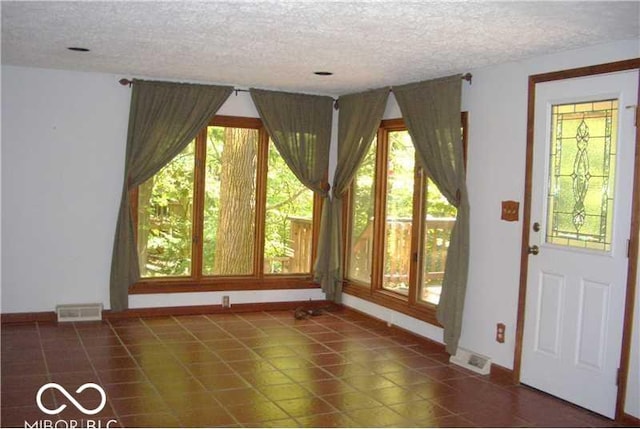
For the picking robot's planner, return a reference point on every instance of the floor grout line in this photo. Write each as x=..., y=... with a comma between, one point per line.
x=189, y=371
x=148, y=380
x=366, y=367
x=262, y=358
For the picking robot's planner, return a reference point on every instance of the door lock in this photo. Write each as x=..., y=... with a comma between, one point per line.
x=533, y=250
x=536, y=226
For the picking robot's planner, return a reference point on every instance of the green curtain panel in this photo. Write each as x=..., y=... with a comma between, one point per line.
x=431, y=111
x=164, y=117
x=359, y=119
x=300, y=127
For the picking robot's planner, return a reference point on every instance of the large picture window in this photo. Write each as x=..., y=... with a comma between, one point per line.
x=226, y=213
x=398, y=227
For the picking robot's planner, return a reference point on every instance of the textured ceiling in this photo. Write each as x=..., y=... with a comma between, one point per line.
x=279, y=44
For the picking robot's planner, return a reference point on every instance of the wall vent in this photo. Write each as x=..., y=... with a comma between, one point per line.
x=79, y=312
x=471, y=361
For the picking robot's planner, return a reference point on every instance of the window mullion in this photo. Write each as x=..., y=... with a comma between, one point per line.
x=380, y=201
x=418, y=216
x=261, y=203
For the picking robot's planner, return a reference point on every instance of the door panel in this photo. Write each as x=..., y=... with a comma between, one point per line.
x=592, y=324
x=549, y=315
x=584, y=141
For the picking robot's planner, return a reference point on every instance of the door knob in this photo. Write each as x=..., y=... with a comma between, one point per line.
x=533, y=250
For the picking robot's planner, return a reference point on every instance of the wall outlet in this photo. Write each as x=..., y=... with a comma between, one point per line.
x=225, y=302
x=500, y=328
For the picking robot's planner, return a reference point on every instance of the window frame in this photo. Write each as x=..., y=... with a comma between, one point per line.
x=258, y=280
x=374, y=291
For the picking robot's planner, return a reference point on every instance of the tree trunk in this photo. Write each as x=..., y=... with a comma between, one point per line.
x=235, y=235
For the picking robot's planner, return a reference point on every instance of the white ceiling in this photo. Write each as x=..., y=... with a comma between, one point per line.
x=279, y=44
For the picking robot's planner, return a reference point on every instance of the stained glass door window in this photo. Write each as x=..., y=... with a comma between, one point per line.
x=582, y=174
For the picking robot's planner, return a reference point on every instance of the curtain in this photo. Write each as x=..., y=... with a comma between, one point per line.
x=164, y=117
x=359, y=119
x=300, y=127
x=431, y=111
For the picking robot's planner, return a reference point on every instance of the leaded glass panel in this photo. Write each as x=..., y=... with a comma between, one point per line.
x=582, y=174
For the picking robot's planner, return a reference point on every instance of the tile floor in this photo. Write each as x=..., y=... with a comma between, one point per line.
x=340, y=369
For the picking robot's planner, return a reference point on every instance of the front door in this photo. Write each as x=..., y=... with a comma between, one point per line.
x=584, y=138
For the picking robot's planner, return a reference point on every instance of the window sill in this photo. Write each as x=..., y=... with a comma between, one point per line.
x=176, y=285
x=423, y=312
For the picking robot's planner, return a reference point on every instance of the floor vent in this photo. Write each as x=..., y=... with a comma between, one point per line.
x=471, y=361
x=79, y=312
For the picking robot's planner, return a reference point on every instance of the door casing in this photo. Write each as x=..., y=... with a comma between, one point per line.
x=625, y=355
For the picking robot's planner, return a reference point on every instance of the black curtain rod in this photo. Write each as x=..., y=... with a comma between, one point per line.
x=129, y=82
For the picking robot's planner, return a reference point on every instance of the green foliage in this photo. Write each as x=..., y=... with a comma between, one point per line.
x=213, y=170
x=364, y=192
x=399, y=189
x=399, y=207
x=400, y=175
x=165, y=218
x=166, y=206
x=287, y=199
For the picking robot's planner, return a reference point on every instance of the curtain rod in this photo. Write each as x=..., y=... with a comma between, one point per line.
x=129, y=82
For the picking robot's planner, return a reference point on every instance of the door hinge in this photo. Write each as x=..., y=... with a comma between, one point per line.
x=618, y=375
x=195, y=239
x=628, y=248
x=415, y=256
x=637, y=114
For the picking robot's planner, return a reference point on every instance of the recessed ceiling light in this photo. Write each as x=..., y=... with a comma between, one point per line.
x=77, y=49
x=323, y=73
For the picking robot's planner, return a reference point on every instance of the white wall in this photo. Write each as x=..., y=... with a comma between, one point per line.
x=63, y=144
x=497, y=105
x=63, y=139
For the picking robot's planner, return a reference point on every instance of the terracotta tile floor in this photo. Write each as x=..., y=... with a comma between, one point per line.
x=264, y=369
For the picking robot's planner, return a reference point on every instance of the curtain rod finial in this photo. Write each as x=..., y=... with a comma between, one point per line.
x=467, y=77
x=125, y=82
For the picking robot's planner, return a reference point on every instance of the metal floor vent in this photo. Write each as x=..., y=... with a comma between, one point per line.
x=79, y=312
x=471, y=361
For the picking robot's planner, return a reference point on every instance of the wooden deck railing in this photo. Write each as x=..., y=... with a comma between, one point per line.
x=298, y=250
x=398, y=251
x=397, y=259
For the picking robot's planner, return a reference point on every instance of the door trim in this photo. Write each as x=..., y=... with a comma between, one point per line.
x=617, y=66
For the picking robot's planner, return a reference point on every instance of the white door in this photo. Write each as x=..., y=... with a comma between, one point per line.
x=584, y=138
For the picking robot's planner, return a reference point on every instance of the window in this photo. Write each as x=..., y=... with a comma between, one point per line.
x=288, y=221
x=582, y=174
x=398, y=227
x=226, y=213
